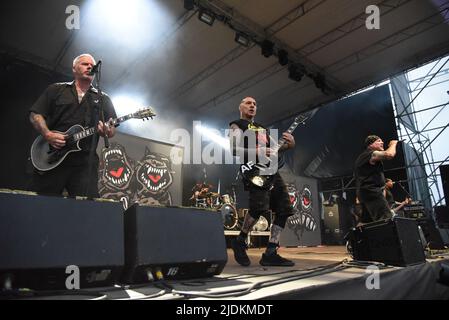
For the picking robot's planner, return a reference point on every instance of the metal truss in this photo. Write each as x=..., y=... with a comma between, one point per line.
x=418, y=137
x=241, y=23
x=343, y=30
x=348, y=27
x=388, y=42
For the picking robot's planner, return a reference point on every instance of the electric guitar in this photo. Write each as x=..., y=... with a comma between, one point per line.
x=262, y=175
x=45, y=157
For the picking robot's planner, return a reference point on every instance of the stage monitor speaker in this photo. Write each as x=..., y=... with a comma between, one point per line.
x=393, y=241
x=172, y=243
x=444, y=171
x=442, y=216
x=46, y=240
x=332, y=233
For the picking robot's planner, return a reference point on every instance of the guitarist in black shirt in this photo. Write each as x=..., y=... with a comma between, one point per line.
x=260, y=200
x=61, y=106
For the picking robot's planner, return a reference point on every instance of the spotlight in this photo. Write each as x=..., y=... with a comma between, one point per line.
x=189, y=5
x=295, y=71
x=242, y=39
x=206, y=17
x=283, y=57
x=267, y=48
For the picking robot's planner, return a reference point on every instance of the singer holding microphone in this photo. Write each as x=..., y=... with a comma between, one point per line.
x=61, y=106
x=370, y=178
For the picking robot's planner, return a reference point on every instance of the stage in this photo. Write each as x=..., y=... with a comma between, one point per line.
x=323, y=273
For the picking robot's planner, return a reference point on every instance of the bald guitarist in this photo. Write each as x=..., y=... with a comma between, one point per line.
x=61, y=106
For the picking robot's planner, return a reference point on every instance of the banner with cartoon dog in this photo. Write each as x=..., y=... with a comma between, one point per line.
x=138, y=170
x=303, y=227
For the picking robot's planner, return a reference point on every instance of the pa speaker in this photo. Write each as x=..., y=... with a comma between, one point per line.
x=394, y=242
x=46, y=240
x=172, y=243
x=444, y=171
x=442, y=216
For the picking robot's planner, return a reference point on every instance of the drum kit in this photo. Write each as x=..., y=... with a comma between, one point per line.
x=225, y=204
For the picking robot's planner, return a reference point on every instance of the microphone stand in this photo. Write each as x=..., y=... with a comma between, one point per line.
x=98, y=106
x=404, y=190
x=101, y=110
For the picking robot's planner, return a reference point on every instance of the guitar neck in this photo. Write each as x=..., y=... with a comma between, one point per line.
x=292, y=128
x=92, y=130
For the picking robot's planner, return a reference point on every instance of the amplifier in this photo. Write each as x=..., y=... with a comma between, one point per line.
x=393, y=241
x=414, y=211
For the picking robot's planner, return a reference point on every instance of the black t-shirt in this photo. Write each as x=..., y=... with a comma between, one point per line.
x=369, y=178
x=261, y=134
x=59, y=105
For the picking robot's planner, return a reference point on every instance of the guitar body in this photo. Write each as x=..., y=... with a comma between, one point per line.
x=257, y=175
x=44, y=157
x=262, y=175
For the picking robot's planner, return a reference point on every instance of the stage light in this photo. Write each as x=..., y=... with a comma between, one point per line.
x=295, y=71
x=213, y=135
x=206, y=17
x=283, y=57
x=267, y=48
x=189, y=5
x=124, y=105
x=133, y=24
x=242, y=39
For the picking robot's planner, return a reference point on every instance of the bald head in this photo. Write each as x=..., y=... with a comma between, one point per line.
x=248, y=108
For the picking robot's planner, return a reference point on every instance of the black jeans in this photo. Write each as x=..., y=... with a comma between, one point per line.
x=78, y=180
x=276, y=199
x=375, y=206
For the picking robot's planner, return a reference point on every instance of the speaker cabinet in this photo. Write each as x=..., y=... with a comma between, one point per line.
x=41, y=236
x=172, y=243
x=394, y=242
x=332, y=232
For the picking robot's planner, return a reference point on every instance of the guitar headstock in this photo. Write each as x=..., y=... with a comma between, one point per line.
x=303, y=117
x=146, y=113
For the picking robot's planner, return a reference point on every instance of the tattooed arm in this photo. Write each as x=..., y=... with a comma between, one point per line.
x=55, y=139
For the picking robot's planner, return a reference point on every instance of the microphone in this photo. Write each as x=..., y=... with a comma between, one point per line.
x=95, y=68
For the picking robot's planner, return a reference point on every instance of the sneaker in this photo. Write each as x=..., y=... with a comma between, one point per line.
x=239, y=247
x=275, y=260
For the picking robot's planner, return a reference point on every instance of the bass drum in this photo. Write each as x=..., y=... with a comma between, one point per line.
x=229, y=216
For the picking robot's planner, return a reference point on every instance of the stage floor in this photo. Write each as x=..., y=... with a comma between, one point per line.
x=325, y=272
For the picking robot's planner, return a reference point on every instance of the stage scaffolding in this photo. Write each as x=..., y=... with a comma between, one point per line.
x=420, y=98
